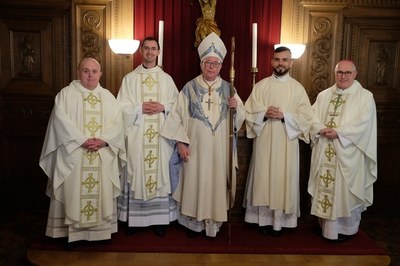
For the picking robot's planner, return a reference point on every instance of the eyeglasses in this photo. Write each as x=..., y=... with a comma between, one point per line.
x=345, y=73
x=213, y=64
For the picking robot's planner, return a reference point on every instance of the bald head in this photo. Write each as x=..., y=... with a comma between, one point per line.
x=89, y=73
x=345, y=73
x=86, y=59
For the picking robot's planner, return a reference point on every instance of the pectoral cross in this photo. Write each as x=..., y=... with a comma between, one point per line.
x=210, y=89
x=209, y=102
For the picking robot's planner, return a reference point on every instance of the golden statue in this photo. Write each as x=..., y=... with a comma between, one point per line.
x=206, y=24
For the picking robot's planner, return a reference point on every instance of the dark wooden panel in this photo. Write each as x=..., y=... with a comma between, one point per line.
x=34, y=66
x=22, y=182
x=373, y=38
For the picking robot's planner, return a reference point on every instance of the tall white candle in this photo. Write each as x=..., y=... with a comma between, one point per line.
x=254, y=47
x=161, y=41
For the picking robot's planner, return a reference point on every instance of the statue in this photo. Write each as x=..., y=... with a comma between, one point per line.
x=27, y=52
x=206, y=24
x=381, y=63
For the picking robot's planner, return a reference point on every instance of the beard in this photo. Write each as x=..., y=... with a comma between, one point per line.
x=279, y=71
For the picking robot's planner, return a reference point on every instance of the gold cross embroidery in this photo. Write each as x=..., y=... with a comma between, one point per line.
x=91, y=156
x=325, y=204
x=150, y=158
x=329, y=152
x=93, y=126
x=149, y=81
x=88, y=210
x=92, y=99
x=90, y=183
x=337, y=102
x=327, y=178
x=331, y=123
x=151, y=133
x=150, y=184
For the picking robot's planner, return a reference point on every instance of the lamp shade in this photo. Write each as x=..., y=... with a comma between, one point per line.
x=123, y=46
x=296, y=49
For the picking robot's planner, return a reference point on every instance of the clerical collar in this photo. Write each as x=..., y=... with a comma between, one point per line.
x=148, y=67
x=281, y=78
x=348, y=90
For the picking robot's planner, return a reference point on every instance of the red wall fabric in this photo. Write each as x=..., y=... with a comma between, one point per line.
x=234, y=18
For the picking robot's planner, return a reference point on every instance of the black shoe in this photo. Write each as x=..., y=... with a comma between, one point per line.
x=69, y=246
x=342, y=238
x=276, y=233
x=161, y=230
x=191, y=233
x=318, y=231
x=130, y=231
x=105, y=242
x=265, y=230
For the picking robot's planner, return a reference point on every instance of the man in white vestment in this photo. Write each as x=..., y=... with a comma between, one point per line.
x=146, y=96
x=82, y=155
x=278, y=116
x=344, y=156
x=199, y=123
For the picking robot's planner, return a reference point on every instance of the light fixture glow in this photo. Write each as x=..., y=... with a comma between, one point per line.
x=123, y=46
x=296, y=49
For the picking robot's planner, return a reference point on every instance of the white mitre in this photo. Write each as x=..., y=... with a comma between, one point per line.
x=212, y=45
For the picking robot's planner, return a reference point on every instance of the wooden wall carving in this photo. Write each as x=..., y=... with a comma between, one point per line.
x=375, y=46
x=94, y=23
x=321, y=41
x=27, y=54
x=91, y=34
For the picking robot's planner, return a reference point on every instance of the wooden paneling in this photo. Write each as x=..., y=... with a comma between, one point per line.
x=35, y=65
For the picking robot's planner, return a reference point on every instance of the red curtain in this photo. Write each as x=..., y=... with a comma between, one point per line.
x=234, y=18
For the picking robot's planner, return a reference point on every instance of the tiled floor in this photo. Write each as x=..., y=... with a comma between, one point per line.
x=19, y=227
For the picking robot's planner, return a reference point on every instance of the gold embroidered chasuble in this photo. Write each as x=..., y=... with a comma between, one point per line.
x=324, y=199
x=91, y=161
x=343, y=170
x=83, y=186
x=147, y=169
x=151, y=130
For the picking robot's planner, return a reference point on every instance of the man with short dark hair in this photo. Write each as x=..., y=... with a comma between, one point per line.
x=146, y=96
x=278, y=116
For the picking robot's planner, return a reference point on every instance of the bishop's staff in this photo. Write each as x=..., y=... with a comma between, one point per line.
x=231, y=140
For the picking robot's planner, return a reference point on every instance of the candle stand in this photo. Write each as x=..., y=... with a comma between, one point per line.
x=254, y=70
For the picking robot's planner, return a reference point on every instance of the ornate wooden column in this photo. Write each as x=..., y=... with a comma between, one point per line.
x=94, y=22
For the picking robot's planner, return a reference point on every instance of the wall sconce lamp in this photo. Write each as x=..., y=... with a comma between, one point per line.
x=123, y=46
x=296, y=49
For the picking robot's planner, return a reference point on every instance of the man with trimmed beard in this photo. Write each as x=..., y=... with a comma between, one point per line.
x=278, y=115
